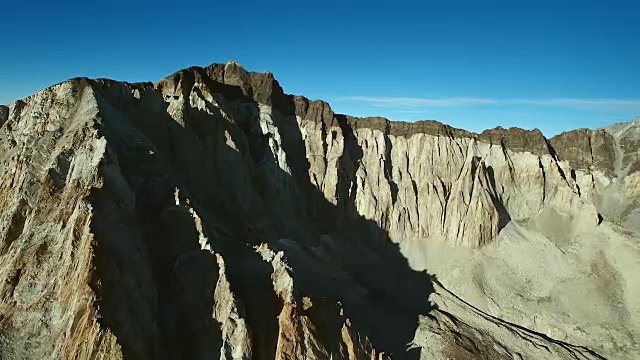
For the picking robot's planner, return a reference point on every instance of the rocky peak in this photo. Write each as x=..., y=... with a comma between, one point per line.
x=234, y=82
x=211, y=215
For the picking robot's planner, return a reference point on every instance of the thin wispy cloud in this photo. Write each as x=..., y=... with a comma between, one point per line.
x=419, y=103
x=588, y=104
x=416, y=102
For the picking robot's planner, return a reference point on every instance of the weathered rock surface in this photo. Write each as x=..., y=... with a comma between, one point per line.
x=213, y=216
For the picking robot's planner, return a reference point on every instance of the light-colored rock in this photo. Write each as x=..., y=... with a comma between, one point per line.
x=212, y=216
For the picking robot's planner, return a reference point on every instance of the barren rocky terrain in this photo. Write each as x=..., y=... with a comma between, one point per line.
x=213, y=216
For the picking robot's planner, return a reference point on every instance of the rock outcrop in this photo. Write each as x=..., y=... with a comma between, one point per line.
x=213, y=216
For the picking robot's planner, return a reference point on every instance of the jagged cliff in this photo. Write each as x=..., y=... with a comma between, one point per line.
x=213, y=216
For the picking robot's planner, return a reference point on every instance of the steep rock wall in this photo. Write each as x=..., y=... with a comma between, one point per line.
x=213, y=216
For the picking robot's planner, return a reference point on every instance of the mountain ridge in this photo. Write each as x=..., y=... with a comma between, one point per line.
x=204, y=218
x=267, y=75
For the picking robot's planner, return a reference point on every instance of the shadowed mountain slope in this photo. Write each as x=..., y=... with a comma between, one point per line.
x=213, y=216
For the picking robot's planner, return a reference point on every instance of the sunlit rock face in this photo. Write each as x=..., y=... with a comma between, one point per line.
x=213, y=216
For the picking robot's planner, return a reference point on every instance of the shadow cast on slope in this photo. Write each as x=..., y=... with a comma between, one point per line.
x=240, y=207
x=396, y=294
x=503, y=215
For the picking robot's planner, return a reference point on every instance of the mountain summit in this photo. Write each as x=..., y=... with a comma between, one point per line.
x=213, y=216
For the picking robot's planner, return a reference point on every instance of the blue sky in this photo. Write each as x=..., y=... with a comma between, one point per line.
x=554, y=65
